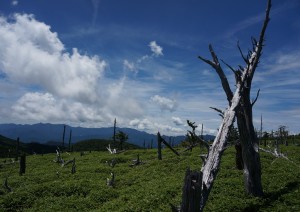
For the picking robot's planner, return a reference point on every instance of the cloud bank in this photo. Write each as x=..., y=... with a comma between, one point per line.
x=58, y=86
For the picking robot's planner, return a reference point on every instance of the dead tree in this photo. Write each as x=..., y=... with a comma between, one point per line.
x=17, y=149
x=191, y=191
x=168, y=145
x=123, y=137
x=211, y=162
x=136, y=161
x=158, y=147
x=70, y=139
x=248, y=137
x=162, y=140
x=5, y=185
x=193, y=139
x=111, y=182
x=73, y=170
x=115, y=125
x=63, y=137
x=58, y=157
x=191, y=135
x=22, y=164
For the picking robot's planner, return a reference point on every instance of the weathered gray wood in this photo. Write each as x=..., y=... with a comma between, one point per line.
x=166, y=143
x=212, y=163
x=111, y=182
x=191, y=191
x=252, y=169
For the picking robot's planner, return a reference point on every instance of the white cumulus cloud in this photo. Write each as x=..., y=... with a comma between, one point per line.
x=45, y=107
x=164, y=103
x=33, y=55
x=156, y=49
x=135, y=66
x=129, y=66
x=154, y=127
x=177, y=121
x=55, y=85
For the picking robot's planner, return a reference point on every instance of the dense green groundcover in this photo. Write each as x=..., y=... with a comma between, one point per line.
x=153, y=186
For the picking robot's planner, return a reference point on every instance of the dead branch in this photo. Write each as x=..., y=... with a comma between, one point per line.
x=190, y=147
x=257, y=94
x=5, y=185
x=161, y=139
x=229, y=66
x=216, y=65
x=66, y=163
x=257, y=48
x=241, y=52
x=221, y=112
x=111, y=181
x=112, y=151
x=136, y=162
x=277, y=154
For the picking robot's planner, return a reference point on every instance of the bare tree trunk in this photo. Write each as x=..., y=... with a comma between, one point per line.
x=22, y=164
x=17, y=149
x=115, y=125
x=158, y=147
x=191, y=191
x=248, y=138
x=211, y=165
x=70, y=139
x=63, y=137
x=250, y=154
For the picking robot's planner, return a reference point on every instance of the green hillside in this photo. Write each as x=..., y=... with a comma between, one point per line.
x=8, y=148
x=100, y=145
x=152, y=186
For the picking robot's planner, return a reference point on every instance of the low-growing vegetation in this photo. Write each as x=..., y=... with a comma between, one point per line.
x=151, y=186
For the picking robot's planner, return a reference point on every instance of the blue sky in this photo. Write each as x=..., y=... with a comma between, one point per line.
x=86, y=62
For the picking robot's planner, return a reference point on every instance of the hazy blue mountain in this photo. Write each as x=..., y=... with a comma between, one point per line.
x=53, y=133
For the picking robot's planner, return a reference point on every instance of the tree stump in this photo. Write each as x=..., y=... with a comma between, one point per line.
x=191, y=191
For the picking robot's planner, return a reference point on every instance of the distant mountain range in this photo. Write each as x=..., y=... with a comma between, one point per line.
x=53, y=134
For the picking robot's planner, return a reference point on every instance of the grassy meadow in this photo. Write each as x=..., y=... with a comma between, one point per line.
x=152, y=186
